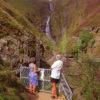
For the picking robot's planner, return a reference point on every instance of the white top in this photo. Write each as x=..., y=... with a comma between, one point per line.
x=56, y=69
x=42, y=74
x=31, y=66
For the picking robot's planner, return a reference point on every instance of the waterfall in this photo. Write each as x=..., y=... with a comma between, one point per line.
x=50, y=5
x=48, y=28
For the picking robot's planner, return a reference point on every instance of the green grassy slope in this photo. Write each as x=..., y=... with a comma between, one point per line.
x=35, y=11
x=22, y=5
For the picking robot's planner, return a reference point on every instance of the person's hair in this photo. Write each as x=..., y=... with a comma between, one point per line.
x=58, y=57
x=32, y=60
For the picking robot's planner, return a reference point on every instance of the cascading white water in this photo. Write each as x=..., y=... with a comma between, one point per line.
x=50, y=5
x=48, y=28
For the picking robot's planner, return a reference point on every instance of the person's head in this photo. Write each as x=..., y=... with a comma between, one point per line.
x=58, y=57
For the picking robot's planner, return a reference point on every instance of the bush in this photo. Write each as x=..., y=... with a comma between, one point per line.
x=84, y=38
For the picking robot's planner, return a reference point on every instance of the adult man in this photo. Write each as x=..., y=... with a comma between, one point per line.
x=55, y=74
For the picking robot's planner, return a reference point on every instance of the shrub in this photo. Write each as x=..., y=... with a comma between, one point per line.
x=84, y=40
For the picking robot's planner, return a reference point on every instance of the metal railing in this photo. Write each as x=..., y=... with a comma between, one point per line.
x=65, y=88
x=44, y=81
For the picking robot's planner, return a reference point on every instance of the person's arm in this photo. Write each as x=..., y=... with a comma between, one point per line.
x=35, y=69
x=61, y=70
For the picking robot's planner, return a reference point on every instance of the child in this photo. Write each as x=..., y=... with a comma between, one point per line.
x=33, y=78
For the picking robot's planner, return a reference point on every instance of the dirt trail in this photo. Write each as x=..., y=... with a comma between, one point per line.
x=42, y=96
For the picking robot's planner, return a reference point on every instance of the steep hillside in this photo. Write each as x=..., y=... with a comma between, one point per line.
x=69, y=15
x=18, y=36
x=78, y=23
x=18, y=40
x=13, y=37
x=34, y=10
x=15, y=30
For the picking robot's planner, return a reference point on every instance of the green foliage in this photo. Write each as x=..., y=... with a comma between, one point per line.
x=69, y=46
x=22, y=5
x=85, y=38
x=89, y=83
x=4, y=65
x=10, y=88
x=21, y=51
x=63, y=44
x=85, y=41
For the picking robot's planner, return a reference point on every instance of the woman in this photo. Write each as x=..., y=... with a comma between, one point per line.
x=33, y=77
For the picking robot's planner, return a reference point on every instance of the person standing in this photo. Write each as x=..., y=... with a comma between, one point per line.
x=33, y=76
x=55, y=74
